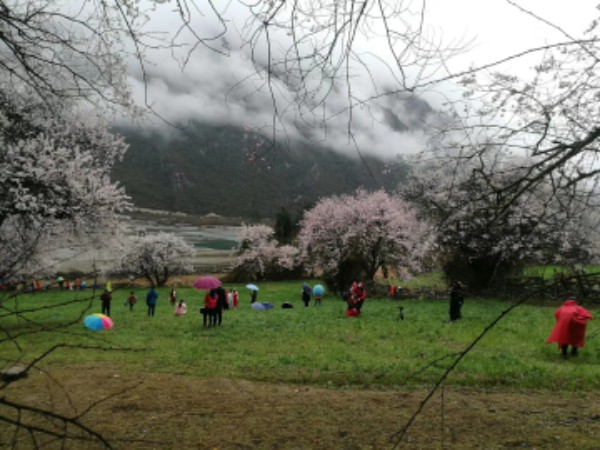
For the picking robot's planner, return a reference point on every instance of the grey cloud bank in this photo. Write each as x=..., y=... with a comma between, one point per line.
x=221, y=84
x=229, y=87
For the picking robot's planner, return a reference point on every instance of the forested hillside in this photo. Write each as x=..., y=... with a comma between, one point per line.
x=207, y=169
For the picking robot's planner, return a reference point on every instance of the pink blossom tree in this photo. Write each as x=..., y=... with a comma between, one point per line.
x=355, y=236
x=157, y=257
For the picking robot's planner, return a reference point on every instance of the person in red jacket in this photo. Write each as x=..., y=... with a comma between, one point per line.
x=210, y=308
x=571, y=321
x=360, y=294
x=236, y=298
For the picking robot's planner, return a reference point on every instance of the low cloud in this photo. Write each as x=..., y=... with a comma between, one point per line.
x=221, y=85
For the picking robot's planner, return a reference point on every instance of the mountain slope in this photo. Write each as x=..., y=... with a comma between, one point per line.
x=205, y=169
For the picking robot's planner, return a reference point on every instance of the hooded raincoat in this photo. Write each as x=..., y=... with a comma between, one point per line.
x=571, y=321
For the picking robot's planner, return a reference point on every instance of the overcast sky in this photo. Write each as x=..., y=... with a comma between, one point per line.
x=224, y=89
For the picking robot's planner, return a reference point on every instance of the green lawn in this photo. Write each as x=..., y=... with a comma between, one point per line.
x=312, y=345
x=548, y=272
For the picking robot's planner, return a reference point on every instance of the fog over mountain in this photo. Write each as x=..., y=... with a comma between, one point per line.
x=226, y=85
x=207, y=169
x=233, y=135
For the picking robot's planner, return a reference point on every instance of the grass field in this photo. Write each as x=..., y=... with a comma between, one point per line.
x=301, y=378
x=548, y=272
x=314, y=345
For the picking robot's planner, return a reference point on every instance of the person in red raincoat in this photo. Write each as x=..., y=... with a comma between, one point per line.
x=571, y=321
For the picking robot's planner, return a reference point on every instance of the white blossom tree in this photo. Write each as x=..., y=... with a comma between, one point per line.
x=546, y=117
x=354, y=236
x=54, y=174
x=261, y=256
x=485, y=235
x=156, y=257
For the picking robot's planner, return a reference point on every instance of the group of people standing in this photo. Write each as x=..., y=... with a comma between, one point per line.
x=151, y=300
x=307, y=292
x=215, y=301
x=569, y=330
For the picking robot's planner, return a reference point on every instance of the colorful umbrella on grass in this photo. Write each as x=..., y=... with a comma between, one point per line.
x=261, y=306
x=258, y=306
x=206, y=283
x=98, y=322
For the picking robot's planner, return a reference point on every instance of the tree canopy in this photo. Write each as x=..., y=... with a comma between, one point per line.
x=484, y=235
x=353, y=236
x=156, y=257
x=55, y=176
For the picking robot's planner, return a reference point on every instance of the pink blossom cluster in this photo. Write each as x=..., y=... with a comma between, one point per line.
x=378, y=229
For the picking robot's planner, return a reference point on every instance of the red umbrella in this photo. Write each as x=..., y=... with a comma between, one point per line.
x=206, y=283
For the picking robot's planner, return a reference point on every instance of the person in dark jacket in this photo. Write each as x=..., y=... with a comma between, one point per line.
x=457, y=298
x=221, y=304
x=151, y=299
x=306, y=291
x=106, y=298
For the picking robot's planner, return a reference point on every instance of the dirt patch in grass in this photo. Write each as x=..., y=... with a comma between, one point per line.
x=162, y=411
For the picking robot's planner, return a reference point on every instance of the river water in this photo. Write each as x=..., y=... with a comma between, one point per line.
x=215, y=247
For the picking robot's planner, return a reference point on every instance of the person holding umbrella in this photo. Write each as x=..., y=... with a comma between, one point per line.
x=254, y=289
x=209, y=311
x=318, y=291
x=306, y=291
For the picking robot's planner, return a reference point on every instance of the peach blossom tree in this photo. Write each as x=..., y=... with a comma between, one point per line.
x=355, y=236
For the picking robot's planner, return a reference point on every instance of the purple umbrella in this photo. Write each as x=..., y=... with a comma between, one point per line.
x=206, y=283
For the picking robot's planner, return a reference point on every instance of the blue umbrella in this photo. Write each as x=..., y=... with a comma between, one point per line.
x=318, y=290
x=252, y=287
